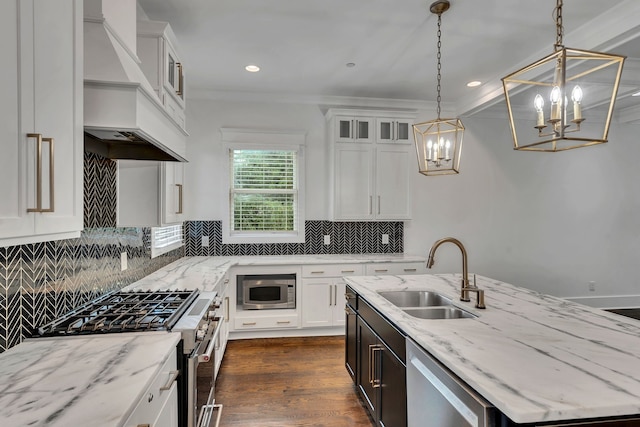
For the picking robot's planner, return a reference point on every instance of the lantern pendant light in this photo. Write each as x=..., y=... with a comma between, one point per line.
x=565, y=100
x=439, y=142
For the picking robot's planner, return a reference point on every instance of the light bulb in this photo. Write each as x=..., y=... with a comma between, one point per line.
x=576, y=94
x=538, y=102
x=429, y=146
x=555, y=95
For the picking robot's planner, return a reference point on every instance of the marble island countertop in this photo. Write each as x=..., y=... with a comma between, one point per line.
x=534, y=356
x=86, y=380
x=204, y=273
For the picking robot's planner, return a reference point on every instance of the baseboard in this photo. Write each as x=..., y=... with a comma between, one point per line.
x=280, y=333
x=611, y=301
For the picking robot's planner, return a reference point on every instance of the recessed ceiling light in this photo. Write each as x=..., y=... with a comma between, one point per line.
x=636, y=94
x=474, y=83
x=252, y=68
x=351, y=64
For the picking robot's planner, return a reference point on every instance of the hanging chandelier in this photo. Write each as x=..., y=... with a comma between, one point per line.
x=439, y=142
x=564, y=100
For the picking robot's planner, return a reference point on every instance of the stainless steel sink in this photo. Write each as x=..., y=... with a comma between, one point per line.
x=415, y=298
x=439, y=313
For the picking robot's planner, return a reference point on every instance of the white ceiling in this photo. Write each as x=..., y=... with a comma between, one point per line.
x=303, y=47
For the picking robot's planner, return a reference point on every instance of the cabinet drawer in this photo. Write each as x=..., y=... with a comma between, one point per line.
x=332, y=270
x=396, y=268
x=153, y=400
x=270, y=322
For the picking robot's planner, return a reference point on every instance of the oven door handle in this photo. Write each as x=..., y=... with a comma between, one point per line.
x=206, y=356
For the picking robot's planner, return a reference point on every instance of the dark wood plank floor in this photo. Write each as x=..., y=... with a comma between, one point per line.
x=288, y=382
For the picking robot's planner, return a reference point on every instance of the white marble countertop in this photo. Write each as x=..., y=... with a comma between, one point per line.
x=204, y=273
x=534, y=356
x=80, y=381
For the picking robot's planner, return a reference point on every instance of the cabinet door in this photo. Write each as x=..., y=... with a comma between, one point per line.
x=173, y=180
x=351, y=342
x=393, y=131
x=168, y=415
x=392, y=183
x=14, y=220
x=367, y=342
x=392, y=409
x=339, y=289
x=317, y=297
x=353, y=183
x=57, y=106
x=354, y=129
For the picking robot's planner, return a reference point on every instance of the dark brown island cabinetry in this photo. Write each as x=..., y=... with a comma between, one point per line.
x=375, y=359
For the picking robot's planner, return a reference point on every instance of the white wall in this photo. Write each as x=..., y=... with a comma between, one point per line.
x=548, y=221
x=205, y=192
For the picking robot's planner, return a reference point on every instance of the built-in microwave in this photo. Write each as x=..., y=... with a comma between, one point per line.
x=267, y=291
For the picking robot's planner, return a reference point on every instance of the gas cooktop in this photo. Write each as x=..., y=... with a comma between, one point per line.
x=120, y=311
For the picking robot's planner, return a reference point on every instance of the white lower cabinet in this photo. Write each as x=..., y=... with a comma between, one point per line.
x=158, y=406
x=395, y=268
x=323, y=294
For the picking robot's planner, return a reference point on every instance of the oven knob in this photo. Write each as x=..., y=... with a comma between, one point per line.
x=200, y=334
x=211, y=315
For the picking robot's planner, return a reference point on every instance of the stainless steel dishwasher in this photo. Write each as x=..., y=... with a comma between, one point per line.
x=436, y=397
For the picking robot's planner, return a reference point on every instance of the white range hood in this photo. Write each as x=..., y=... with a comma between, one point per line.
x=123, y=117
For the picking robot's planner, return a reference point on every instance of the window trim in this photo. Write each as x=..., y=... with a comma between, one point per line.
x=250, y=139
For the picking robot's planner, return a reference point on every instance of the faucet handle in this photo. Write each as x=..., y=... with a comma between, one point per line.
x=480, y=294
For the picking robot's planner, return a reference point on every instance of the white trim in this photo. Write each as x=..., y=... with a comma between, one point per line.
x=269, y=139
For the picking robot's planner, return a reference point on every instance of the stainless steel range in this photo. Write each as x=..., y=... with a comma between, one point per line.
x=191, y=313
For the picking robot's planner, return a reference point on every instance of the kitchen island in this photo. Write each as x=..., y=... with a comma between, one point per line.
x=535, y=357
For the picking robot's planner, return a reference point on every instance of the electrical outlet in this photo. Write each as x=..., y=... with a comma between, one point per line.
x=205, y=241
x=123, y=261
x=592, y=286
x=385, y=239
x=327, y=239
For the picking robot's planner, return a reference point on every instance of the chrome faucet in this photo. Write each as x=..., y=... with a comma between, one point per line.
x=466, y=286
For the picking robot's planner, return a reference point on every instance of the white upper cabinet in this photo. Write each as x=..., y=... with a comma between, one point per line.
x=42, y=127
x=161, y=64
x=354, y=129
x=390, y=130
x=370, y=181
x=150, y=193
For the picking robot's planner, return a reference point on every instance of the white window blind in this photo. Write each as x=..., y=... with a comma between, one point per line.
x=264, y=191
x=165, y=239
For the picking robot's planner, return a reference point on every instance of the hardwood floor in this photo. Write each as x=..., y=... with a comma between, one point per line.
x=288, y=382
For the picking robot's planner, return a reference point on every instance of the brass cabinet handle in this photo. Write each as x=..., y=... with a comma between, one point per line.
x=174, y=376
x=226, y=311
x=384, y=270
x=179, y=211
x=335, y=294
x=38, y=207
x=248, y=323
x=317, y=272
x=180, y=89
x=377, y=382
x=348, y=271
x=283, y=322
x=410, y=270
x=370, y=205
x=371, y=346
x=378, y=205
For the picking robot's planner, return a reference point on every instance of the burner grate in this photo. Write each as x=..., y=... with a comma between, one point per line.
x=123, y=312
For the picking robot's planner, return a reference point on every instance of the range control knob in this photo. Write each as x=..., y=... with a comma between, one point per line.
x=200, y=334
x=211, y=315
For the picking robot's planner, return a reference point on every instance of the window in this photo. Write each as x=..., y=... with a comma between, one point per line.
x=264, y=191
x=166, y=239
x=266, y=186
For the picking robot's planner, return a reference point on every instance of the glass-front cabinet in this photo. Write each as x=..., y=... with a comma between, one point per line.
x=393, y=130
x=354, y=129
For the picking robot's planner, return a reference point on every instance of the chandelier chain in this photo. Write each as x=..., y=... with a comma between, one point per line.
x=439, y=62
x=559, y=26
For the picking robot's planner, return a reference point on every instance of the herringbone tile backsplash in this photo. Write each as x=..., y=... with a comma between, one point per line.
x=346, y=238
x=40, y=282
